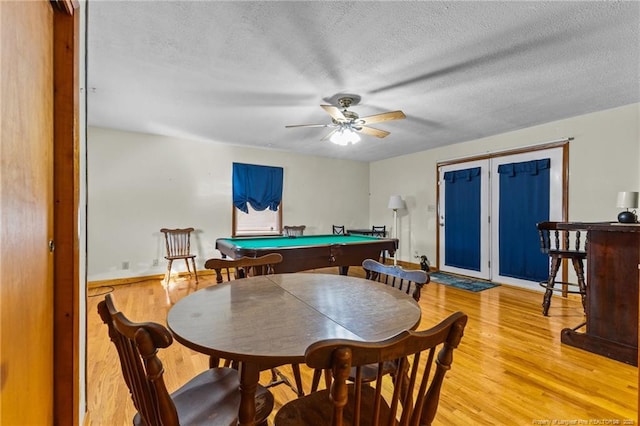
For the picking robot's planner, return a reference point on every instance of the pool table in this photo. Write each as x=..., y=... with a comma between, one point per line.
x=310, y=251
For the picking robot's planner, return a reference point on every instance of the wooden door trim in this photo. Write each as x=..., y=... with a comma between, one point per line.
x=66, y=183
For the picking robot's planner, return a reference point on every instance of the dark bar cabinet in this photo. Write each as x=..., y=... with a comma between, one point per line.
x=613, y=259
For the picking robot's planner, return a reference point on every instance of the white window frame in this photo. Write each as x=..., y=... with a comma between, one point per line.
x=256, y=223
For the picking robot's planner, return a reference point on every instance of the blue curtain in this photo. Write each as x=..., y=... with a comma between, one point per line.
x=524, y=201
x=462, y=218
x=258, y=186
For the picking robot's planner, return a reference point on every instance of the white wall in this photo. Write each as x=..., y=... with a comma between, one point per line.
x=139, y=183
x=604, y=158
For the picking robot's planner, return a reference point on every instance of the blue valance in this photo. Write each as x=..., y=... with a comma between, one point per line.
x=529, y=167
x=466, y=174
x=258, y=186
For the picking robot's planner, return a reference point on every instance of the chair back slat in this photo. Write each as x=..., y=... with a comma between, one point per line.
x=397, y=277
x=416, y=391
x=141, y=393
x=561, y=241
x=244, y=266
x=294, y=231
x=137, y=345
x=177, y=242
x=338, y=230
x=421, y=394
x=379, y=231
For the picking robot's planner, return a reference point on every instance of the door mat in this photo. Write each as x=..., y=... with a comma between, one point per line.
x=469, y=284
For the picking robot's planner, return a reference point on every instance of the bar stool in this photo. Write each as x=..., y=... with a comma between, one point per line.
x=557, y=244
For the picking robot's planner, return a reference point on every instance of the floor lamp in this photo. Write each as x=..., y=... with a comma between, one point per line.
x=396, y=202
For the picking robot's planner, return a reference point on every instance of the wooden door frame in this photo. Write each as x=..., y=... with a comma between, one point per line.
x=66, y=189
x=564, y=144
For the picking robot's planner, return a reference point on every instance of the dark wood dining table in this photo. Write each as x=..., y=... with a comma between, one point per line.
x=270, y=320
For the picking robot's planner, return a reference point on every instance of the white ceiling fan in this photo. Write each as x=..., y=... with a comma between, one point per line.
x=347, y=124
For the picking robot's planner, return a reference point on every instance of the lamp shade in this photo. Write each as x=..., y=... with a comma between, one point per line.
x=396, y=202
x=627, y=200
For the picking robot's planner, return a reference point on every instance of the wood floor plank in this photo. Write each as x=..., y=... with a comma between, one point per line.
x=510, y=368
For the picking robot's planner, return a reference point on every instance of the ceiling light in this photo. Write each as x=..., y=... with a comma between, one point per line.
x=344, y=137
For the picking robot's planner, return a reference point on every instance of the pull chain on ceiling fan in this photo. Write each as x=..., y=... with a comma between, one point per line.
x=347, y=124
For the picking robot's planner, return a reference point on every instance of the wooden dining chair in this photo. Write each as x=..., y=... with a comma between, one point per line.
x=379, y=231
x=338, y=230
x=212, y=394
x=241, y=268
x=396, y=277
x=411, y=401
x=178, y=247
x=294, y=231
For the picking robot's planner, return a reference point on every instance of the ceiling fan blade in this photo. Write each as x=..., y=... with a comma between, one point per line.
x=385, y=116
x=334, y=112
x=307, y=125
x=373, y=132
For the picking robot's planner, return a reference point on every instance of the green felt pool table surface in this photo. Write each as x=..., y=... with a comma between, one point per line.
x=309, y=251
x=305, y=240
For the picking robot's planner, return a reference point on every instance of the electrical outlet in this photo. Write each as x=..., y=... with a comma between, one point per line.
x=125, y=264
x=155, y=262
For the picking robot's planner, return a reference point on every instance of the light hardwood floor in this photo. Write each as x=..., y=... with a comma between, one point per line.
x=510, y=368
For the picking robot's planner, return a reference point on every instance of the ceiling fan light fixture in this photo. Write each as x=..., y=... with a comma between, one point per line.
x=348, y=124
x=344, y=137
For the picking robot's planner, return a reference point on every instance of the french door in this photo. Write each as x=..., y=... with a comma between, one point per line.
x=464, y=208
x=488, y=209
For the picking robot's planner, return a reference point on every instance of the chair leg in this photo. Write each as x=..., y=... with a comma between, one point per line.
x=298, y=378
x=214, y=362
x=225, y=363
x=186, y=261
x=167, y=277
x=553, y=271
x=316, y=379
x=195, y=271
x=579, y=267
x=277, y=378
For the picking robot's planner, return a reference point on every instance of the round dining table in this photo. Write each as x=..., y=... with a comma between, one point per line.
x=270, y=320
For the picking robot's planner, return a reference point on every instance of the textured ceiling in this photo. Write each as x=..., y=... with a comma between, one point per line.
x=238, y=72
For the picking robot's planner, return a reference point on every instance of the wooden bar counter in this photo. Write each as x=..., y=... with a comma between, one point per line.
x=613, y=256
